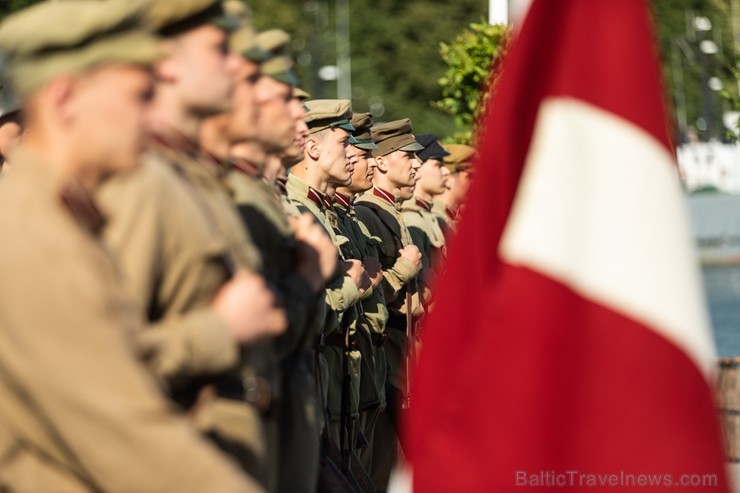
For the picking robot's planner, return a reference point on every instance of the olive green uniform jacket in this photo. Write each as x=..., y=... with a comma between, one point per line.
x=383, y=220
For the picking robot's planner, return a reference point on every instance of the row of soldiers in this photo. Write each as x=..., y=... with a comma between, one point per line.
x=210, y=282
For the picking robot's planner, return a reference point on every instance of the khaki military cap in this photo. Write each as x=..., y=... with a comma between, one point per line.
x=244, y=39
x=362, y=123
x=278, y=64
x=57, y=38
x=461, y=157
x=172, y=17
x=299, y=93
x=329, y=113
x=394, y=136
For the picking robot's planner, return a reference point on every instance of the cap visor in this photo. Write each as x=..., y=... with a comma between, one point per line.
x=367, y=147
x=257, y=55
x=352, y=140
x=346, y=126
x=414, y=146
x=225, y=22
x=289, y=77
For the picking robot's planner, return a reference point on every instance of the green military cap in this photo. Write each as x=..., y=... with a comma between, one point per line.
x=172, y=17
x=394, y=136
x=50, y=39
x=329, y=113
x=244, y=39
x=278, y=65
x=362, y=123
x=9, y=102
x=460, y=158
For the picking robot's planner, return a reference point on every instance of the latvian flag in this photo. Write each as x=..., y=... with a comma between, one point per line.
x=569, y=349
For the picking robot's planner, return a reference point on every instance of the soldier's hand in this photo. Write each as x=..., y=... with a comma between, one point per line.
x=249, y=308
x=413, y=255
x=374, y=270
x=354, y=269
x=317, y=255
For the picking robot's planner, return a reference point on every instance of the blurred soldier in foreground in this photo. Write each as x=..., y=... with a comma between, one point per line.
x=297, y=258
x=10, y=117
x=447, y=205
x=379, y=211
x=191, y=264
x=423, y=225
x=79, y=413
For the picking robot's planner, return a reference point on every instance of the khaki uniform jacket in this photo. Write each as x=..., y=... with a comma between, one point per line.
x=179, y=238
x=427, y=235
x=341, y=298
x=78, y=412
x=446, y=220
x=383, y=220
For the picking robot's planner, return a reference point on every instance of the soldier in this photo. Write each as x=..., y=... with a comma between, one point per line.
x=325, y=162
x=297, y=259
x=10, y=119
x=447, y=205
x=183, y=248
x=379, y=211
x=79, y=412
x=371, y=333
x=423, y=225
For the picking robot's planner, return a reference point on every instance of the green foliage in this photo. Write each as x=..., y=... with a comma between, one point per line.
x=394, y=50
x=686, y=68
x=469, y=59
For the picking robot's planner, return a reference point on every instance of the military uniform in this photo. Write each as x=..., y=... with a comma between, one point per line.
x=79, y=413
x=380, y=212
x=179, y=239
x=424, y=226
x=460, y=158
x=292, y=424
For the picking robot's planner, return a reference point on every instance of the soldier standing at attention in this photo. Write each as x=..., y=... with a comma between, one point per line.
x=447, y=205
x=183, y=248
x=371, y=335
x=79, y=412
x=423, y=225
x=325, y=162
x=10, y=115
x=379, y=210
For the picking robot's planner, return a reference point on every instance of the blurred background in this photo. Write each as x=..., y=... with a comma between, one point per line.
x=428, y=60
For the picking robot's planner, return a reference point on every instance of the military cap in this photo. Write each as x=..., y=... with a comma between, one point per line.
x=50, y=39
x=244, y=39
x=362, y=123
x=278, y=64
x=299, y=93
x=432, y=148
x=460, y=158
x=329, y=113
x=9, y=102
x=394, y=136
x=173, y=17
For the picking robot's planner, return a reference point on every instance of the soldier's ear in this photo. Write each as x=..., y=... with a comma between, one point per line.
x=382, y=164
x=312, y=148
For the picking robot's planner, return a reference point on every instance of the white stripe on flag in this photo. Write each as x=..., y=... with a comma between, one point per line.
x=599, y=209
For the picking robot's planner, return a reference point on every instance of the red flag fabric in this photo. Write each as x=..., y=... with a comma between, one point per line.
x=569, y=347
